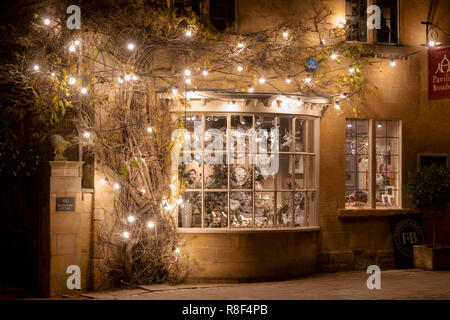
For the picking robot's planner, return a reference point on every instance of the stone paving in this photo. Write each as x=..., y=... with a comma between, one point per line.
x=395, y=284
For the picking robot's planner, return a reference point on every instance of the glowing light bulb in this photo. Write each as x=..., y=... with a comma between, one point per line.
x=177, y=250
x=116, y=186
x=285, y=34
x=205, y=73
x=131, y=219
x=143, y=191
x=333, y=56
x=174, y=91
x=341, y=22
x=53, y=74
x=126, y=235
x=188, y=81
x=187, y=72
x=103, y=181
x=349, y=125
x=351, y=70
x=72, y=48
x=189, y=33
x=262, y=80
x=149, y=129
x=36, y=67
x=308, y=79
x=180, y=200
x=337, y=106
x=134, y=77
x=150, y=224
x=120, y=80
x=379, y=125
x=288, y=80
x=127, y=77
x=72, y=80
x=46, y=21
x=250, y=89
x=392, y=63
x=130, y=46
x=86, y=134
x=240, y=45
x=77, y=42
x=173, y=186
x=239, y=68
x=187, y=136
x=432, y=43
x=83, y=90
x=322, y=41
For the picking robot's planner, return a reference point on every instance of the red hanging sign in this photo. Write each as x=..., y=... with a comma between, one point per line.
x=439, y=73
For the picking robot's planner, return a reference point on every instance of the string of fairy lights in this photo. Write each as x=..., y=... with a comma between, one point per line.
x=175, y=198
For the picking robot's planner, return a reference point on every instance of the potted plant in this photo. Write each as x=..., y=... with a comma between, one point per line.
x=429, y=190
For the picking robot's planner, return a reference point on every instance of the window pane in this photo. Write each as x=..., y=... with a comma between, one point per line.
x=191, y=175
x=299, y=209
x=216, y=175
x=388, y=23
x=263, y=181
x=215, y=132
x=388, y=162
x=309, y=172
x=216, y=208
x=284, y=175
x=310, y=137
x=310, y=209
x=264, y=126
x=300, y=132
x=284, y=208
x=356, y=16
x=356, y=198
x=221, y=13
x=241, y=126
x=264, y=209
x=357, y=163
x=299, y=171
x=241, y=209
x=241, y=177
x=190, y=211
x=285, y=134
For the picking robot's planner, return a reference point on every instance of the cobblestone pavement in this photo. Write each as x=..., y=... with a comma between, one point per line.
x=395, y=284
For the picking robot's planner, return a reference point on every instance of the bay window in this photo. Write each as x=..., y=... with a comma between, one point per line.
x=235, y=191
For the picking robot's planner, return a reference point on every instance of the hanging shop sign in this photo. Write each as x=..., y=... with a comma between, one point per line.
x=439, y=73
x=407, y=231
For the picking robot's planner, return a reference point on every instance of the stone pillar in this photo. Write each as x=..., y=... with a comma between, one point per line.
x=65, y=226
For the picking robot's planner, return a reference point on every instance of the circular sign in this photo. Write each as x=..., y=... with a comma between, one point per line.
x=311, y=64
x=408, y=233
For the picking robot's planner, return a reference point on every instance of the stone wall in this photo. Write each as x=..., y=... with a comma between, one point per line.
x=250, y=256
x=65, y=236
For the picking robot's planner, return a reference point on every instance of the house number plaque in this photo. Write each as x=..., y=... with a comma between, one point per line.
x=65, y=204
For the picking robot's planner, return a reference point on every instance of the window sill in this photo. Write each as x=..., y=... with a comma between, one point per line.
x=370, y=213
x=246, y=230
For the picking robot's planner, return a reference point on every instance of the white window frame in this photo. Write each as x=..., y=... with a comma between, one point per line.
x=258, y=104
x=372, y=166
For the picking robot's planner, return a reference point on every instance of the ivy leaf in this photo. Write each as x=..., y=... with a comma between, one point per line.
x=134, y=164
x=123, y=172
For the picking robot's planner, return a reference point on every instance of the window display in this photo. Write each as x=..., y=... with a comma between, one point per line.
x=358, y=172
x=236, y=190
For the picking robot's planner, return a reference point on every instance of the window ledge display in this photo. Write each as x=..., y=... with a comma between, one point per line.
x=246, y=230
x=351, y=214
